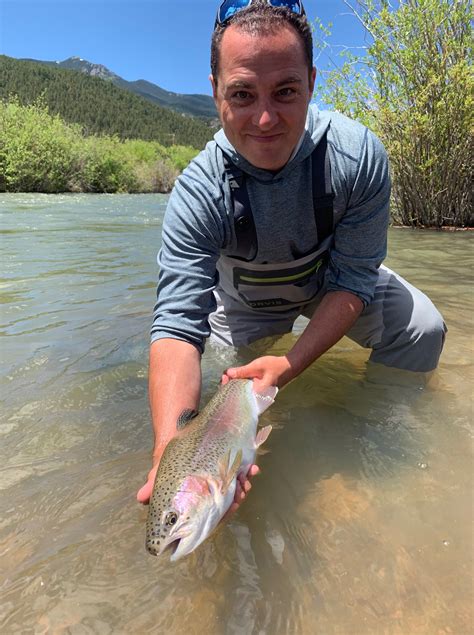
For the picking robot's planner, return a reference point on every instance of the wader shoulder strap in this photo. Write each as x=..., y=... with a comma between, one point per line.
x=323, y=196
x=323, y=202
x=244, y=225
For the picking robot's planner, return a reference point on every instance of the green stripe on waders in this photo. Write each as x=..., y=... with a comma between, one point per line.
x=291, y=278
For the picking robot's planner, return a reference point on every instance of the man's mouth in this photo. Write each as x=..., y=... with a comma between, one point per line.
x=265, y=138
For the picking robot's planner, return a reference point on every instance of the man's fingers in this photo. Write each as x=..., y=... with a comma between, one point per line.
x=242, y=488
x=144, y=493
x=232, y=509
x=253, y=471
x=242, y=372
x=239, y=494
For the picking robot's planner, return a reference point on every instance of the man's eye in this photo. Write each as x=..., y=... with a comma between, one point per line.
x=286, y=92
x=241, y=95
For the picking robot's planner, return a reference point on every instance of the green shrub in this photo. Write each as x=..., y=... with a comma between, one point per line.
x=414, y=88
x=180, y=156
x=40, y=152
x=155, y=177
x=104, y=166
x=36, y=149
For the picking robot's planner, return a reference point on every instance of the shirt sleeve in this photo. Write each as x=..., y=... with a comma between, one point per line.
x=360, y=238
x=192, y=237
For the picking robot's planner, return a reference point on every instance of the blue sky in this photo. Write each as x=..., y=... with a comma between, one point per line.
x=163, y=41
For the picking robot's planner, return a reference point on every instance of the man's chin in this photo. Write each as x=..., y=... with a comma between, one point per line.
x=272, y=163
x=271, y=155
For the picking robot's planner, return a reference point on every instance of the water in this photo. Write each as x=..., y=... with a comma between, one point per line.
x=360, y=523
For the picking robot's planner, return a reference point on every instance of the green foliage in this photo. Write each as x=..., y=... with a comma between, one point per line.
x=414, y=88
x=34, y=149
x=181, y=156
x=39, y=152
x=98, y=105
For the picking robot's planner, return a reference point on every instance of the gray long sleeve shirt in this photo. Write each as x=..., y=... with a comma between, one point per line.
x=198, y=224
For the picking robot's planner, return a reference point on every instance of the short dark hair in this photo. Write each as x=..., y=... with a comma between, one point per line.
x=260, y=18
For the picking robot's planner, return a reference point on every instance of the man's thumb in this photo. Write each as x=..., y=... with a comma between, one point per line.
x=144, y=493
x=241, y=372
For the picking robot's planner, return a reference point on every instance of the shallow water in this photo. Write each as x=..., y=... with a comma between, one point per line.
x=360, y=523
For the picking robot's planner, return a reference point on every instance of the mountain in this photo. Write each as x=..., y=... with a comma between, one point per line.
x=195, y=105
x=99, y=105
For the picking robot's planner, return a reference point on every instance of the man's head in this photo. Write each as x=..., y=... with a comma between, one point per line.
x=263, y=80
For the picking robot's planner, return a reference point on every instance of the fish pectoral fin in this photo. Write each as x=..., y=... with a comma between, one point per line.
x=205, y=485
x=185, y=417
x=227, y=473
x=262, y=435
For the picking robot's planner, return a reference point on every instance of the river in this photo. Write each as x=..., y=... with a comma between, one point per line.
x=359, y=524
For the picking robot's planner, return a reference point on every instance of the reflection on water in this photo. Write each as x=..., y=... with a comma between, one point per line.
x=359, y=524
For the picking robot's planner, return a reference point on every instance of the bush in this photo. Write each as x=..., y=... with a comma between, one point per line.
x=41, y=153
x=155, y=177
x=36, y=149
x=180, y=156
x=104, y=167
x=414, y=88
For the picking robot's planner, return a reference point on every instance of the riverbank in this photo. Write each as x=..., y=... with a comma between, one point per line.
x=443, y=229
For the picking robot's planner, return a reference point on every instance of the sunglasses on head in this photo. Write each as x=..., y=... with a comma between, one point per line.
x=228, y=8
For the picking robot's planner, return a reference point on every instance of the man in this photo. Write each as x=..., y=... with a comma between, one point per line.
x=284, y=214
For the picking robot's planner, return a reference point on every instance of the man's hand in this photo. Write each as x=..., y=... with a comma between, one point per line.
x=144, y=493
x=267, y=371
x=243, y=487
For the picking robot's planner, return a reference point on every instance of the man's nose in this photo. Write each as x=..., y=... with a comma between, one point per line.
x=265, y=115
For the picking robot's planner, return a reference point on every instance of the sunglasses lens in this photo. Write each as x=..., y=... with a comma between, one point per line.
x=228, y=8
x=295, y=7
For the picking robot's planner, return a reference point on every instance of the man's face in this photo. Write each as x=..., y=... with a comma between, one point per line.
x=262, y=94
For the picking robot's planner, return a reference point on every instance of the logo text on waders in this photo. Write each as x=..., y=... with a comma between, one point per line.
x=261, y=304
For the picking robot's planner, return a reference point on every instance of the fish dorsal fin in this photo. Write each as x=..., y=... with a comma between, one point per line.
x=228, y=472
x=185, y=417
x=265, y=398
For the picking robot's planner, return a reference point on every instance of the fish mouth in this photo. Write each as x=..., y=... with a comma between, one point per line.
x=170, y=548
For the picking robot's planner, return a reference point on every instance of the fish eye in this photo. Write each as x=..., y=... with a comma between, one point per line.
x=171, y=518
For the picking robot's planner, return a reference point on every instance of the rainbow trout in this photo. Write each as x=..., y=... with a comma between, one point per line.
x=197, y=474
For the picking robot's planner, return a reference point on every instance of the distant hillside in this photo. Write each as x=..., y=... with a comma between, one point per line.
x=195, y=105
x=99, y=105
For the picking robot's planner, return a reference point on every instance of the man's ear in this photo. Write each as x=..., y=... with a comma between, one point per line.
x=214, y=86
x=312, y=81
